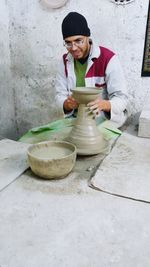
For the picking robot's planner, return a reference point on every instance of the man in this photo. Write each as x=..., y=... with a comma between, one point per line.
x=86, y=64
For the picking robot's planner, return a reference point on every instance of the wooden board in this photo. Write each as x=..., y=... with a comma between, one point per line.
x=146, y=55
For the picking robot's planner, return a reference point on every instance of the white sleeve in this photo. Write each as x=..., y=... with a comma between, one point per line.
x=61, y=85
x=116, y=89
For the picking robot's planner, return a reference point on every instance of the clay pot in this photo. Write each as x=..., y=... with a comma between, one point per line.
x=84, y=95
x=85, y=134
x=53, y=3
x=52, y=159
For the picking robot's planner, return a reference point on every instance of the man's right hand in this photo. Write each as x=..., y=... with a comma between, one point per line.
x=70, y=103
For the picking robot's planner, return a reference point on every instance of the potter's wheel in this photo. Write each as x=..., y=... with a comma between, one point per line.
x=85, y=134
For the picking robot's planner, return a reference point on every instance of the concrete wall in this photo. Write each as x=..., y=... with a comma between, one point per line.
x=31, y=43
x=7, y=109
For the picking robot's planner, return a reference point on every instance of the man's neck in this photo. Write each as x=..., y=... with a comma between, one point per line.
x=83, y=60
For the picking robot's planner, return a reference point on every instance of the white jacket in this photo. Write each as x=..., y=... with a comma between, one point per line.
x=103, y=70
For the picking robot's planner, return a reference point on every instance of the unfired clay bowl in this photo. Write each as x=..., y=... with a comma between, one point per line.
x=52, y=159
x=85, y=94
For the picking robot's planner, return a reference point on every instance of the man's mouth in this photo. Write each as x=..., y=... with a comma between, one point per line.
x=76, y=55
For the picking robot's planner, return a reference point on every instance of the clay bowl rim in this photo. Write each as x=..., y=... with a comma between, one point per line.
x=86, y=90
x=74, y=151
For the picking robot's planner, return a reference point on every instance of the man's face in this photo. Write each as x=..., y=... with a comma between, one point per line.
x=78, y=46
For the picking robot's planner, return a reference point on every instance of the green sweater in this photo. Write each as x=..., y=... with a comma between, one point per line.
x=80, y=70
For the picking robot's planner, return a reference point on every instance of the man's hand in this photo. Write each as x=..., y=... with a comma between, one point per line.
x=70, y=103
x=99, y=105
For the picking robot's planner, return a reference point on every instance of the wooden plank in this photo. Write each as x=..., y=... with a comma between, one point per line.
x=146, y=55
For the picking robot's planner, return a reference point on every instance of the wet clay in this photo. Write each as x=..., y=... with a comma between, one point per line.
x=85, y=134
x=51, y=153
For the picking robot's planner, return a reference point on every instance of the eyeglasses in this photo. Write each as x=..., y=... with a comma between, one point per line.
x=78, y=42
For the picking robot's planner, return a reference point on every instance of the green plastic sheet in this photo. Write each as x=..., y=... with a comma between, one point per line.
x=59, y=129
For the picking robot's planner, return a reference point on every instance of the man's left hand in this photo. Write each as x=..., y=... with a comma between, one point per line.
x=99, y=105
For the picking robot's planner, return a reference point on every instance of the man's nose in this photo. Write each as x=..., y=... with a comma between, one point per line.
x=74, y=47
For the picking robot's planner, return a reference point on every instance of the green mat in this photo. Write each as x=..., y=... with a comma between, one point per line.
x=59, y=129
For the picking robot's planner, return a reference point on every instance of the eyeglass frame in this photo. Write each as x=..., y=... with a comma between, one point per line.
x=79, y=42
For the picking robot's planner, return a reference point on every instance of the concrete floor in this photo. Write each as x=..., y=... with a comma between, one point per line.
x=68, y=224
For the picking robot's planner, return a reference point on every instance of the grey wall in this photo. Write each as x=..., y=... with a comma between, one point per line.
x=7, y=108
x=31, y=44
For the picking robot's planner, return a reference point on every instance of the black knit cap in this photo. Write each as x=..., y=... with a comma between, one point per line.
x=74, y=24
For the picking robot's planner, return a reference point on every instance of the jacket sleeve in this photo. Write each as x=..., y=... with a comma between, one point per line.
x=117, y=91
x=61, y=86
